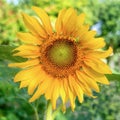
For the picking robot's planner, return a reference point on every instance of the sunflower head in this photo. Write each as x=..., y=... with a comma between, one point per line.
x=62, y=63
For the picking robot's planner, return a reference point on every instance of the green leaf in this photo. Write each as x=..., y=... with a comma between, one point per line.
x=7, y=73
x=113, y=77
x=6, y=54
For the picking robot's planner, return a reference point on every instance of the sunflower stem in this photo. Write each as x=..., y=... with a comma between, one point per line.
x=49, y=111
x=36, y=114
x=56, y=112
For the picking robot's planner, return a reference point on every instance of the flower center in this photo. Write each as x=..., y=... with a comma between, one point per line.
x=61, y=53
x=59, y=56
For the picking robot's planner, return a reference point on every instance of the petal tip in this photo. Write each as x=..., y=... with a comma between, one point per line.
x=34, y=7
x=31, y=100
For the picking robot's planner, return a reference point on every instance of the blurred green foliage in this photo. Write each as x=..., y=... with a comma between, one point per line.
x=102, y=15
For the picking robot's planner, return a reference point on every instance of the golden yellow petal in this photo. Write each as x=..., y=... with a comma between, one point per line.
x=71, y=96
x=29, y=38
x=27, y=73
x=33, y=48
x=26, y=54
x=28, y=63
x=65, y=89
x=80, y=19
x=72, y=99
x=76, y=88
x=90, y=82
x=65, y=84
x=49, y=90
x=86, y=89
x=69, y=21
x=63, y=108
x=94, y=43
x=100, y=54
x=37, y=80
x=71, y=85
x=81, y=32
x=44, y=18
x=80, y=28
x=88, y=36
x=55, y=93
x=79, y=93
x=95, y=75
x=98, y=66
x=24, y=83
x=34, y=26
x=59, y=24
x=34, y=83
x=52, y=92
x=28, y=51
x=41, y=88
x=62, y=91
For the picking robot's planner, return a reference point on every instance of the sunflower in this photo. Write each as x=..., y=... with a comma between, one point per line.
x=63, y=62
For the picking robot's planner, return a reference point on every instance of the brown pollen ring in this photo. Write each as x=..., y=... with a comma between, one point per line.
x=54, y=67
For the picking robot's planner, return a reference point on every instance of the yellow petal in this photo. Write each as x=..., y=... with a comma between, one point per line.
x=76, y=88
x=32, y=48
x=72, y=99
x=28, y=55
x=95, y=75
x=80, y=29
x=37, y=93
x=88, y=35
x=49, y=91
x=44, y=18
x=81, y=32
x=27, y=73
x=86, y=89
x=28, y=63
x=100, y=54
x=34, y=26
x=59, y=24
x=65, y=88
x=24, y=83
x=80, y=19
x=29, y=38
x=79, y=93
x=98, y=66
x=95, y=43
x=91, y=83
x=41, y=88
x=62, y=92
x=69, y=21
x=70, y=79
x=34, y=83
x=70, y=95
x=63, y=108
x=28, y=51
x=37, y=80
x=55, y=93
